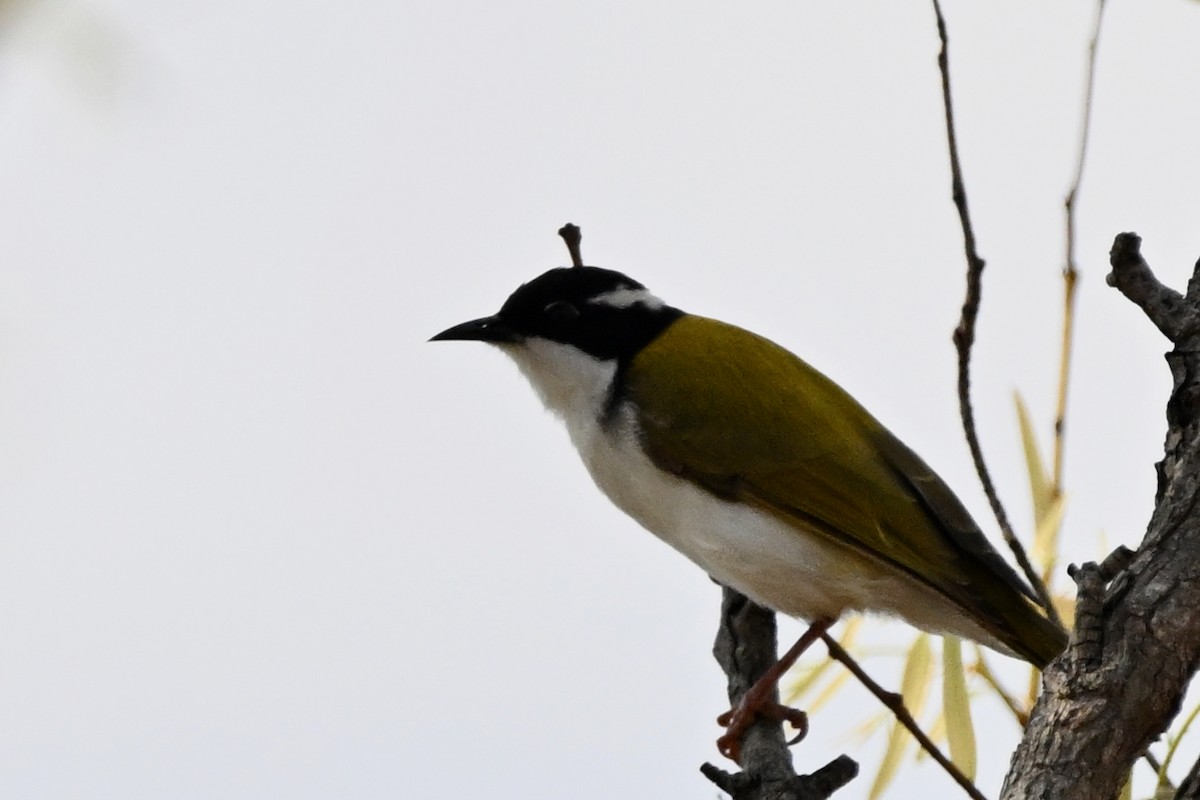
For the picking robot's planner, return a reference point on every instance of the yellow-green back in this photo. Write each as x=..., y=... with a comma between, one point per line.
x=751, y=422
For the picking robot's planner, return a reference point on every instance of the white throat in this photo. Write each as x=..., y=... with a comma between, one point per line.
x=571, y=383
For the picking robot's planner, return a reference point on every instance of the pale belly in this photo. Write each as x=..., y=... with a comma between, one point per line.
x=768, y=559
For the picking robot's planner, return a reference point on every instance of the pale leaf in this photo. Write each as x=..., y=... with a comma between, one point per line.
x=1039, y=486
x=1045, y=537
x=960, y=732
x=809, y=677
x=914, y=687
x=806, y=682
x=936, y=732
x=826, y=694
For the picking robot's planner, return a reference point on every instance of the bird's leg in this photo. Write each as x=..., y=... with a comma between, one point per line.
x=761, y=699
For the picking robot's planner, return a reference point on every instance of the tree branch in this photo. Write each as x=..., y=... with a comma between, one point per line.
x=745, y=649
x=1137, y=646
x=895, y=703
x=572, y=235
x=964, y=334
x=1131, y=276
x=1070, y=270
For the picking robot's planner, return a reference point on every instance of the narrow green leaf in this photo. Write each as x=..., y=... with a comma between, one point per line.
x=826, y=694
x=892, y=757
x=1045, y=536
x=960, y=732
x=935, y=731
x=872, y=724
x=808, y=679
x=914, y=688
x=1039, y=486
x=918, y=670
x=806, y=682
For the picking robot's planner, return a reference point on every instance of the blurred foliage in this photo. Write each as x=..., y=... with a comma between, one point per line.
x=72, y=41
x=914, y=688
x=956, y=708
x=14, y=14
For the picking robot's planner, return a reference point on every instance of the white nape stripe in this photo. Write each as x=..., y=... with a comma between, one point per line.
x=624, y=298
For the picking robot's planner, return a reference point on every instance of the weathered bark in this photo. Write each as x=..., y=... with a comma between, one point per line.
x=745, y=649
x=1121, y=682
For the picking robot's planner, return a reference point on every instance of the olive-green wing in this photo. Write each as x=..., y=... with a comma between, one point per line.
x=752, y=422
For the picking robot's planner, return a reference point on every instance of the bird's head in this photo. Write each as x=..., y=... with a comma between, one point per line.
x=570, y=329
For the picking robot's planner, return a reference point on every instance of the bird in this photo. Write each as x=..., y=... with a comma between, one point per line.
x=755, y=465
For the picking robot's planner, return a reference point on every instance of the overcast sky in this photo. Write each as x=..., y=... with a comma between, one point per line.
x=259, y=539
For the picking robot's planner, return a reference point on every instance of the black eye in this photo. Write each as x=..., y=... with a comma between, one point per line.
x=561, y=312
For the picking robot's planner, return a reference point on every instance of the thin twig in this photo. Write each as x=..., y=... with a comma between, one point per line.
x=1070, y=269
x=984, y=671
x=964, y=334
x=1132, y=276
x=1154, y=764
x=895, y=704
x=573, y=236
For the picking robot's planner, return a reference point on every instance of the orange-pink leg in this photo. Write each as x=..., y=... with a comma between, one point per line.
x=759, y=700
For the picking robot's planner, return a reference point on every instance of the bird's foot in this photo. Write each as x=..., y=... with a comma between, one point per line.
x=738, y=720
x=760, y=700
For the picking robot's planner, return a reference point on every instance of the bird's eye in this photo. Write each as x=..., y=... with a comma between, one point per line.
x=561, y=312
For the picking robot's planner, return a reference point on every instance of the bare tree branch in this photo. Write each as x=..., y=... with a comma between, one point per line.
x=895, y=703
x=572, y=235
x=1070, y=269
x=964, y=334
x=1132, y=277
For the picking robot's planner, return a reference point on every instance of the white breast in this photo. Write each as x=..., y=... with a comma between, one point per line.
x=738, y=545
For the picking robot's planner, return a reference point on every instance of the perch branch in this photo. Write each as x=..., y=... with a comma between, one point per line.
x=745, y=649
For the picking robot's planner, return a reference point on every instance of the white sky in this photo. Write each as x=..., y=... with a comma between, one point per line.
x=260, y=540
